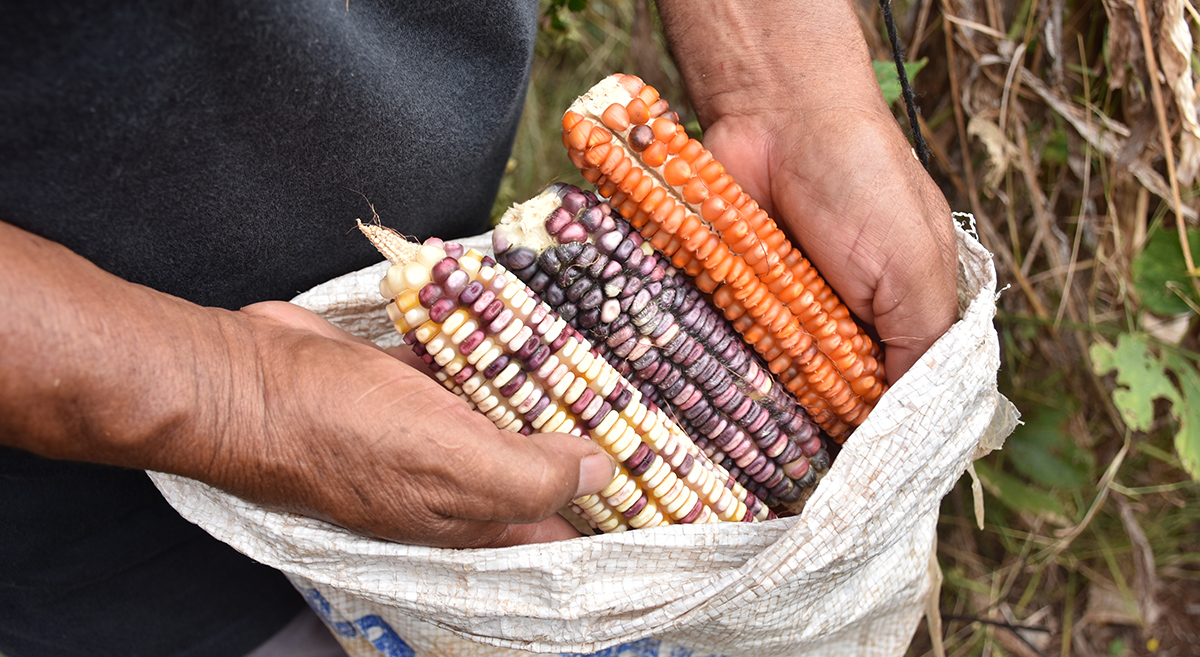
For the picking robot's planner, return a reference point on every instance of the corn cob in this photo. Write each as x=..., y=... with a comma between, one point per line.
x=656, y=329
x=627, y=141
x=491, y=341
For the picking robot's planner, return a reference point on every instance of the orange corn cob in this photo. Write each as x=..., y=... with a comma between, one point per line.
x=627, y=142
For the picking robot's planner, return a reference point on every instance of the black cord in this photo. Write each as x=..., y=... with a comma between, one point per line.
x=910, y=99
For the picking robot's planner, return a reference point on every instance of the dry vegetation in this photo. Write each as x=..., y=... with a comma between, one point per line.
x=1080, y=168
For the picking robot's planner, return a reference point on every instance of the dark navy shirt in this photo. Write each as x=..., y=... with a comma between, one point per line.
x=220, y=151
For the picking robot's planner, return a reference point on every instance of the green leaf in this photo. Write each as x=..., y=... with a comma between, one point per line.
x=1144, y=379
x=1187, y=440
x=1160, y=273
x=1141, y=375
x=1043, y=450
x=1019, y=496
x=889, y=80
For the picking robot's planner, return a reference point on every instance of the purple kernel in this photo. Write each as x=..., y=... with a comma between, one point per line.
x=588, y=318
x=435, y=241
x=456, y=282
x=607, y=224
x=442, y=269
x=639, y=301
x=537, y=315
x=583, y=401
x=539, y=282
x=441, y=309
x=561, y=341
x=454, y=250
x=537, y=409
x=513, y=386
x=501, y=322
x=604, y=410
x=623, y=250
x=637, y=506
x=429, y=294
x=520, y=257
x=591, y=218
x=549, y=261
x=464, y=374
x=591, y=299
x=573, y=202
x=471, y=293
x=608, y=242
x=410, y=338
x=419, y=349
x=610, y=311
x=500, y=241
x=493, y=370
x=538, y=357
x=686, y=466
x=488, y=261
x=527, y=349
x=591, y=197
x=484, y=300
x=492, y=311
x=640, y=137
x=557, y=220
x=605, y=208
x=573, y=232
x=471, y=342
x=640, y=454
x=525, y=430
x=428, y=360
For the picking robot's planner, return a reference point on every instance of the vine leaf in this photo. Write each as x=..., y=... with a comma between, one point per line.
x=1142, y=378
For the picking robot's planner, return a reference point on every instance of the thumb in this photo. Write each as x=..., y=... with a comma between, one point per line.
x=526, y=481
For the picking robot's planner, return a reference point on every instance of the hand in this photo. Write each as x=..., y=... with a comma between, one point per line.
x=337, y=429
x=845, y=185
x=789, y=103
x=271, y=403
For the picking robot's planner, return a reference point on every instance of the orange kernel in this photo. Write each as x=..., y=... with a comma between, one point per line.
x=655, y=154
x=677, y=171
x=616, y=117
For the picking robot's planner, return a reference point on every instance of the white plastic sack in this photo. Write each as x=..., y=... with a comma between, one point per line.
x=850, y=576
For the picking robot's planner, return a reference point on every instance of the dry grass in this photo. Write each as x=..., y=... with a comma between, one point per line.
x=1045, y=123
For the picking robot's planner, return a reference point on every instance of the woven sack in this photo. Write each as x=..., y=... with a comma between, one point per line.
x=850, y=576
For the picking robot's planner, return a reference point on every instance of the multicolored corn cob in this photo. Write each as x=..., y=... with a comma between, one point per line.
x=490, y=340
x=627, y=141
x=658, y=330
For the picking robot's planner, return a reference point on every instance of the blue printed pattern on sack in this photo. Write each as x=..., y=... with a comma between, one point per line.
x=645, y=648
x=321, y=607
x=383, y=637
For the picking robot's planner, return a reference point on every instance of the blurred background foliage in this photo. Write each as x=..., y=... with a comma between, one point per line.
x=1080, y=168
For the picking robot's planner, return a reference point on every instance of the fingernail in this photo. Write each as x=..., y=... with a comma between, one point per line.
x=596, y=472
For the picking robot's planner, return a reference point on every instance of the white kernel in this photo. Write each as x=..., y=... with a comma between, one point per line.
x=417, y=316
x=455, y=320
x=485, y=354
x=415, y=276
x=444, y=356
x=469, y=265
x=496, y=414
x=522, y=393
x=472, y=384
x=565, y=382
x=429, y=255
x=507, y=374
x=625, y=445
x=385, y=290
x=519, y=339
x=514, y=327
x=436, y=343
x=488, y=404
x=395, y=280
x=468, y=327
x=578, y=385
x=555, y=329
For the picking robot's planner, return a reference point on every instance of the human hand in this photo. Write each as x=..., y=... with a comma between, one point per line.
x=330, y=426
x=790, y=106
x=846, y=187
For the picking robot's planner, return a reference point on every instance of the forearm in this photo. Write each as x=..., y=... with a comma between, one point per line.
x=95, y=368
x=800, y=58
